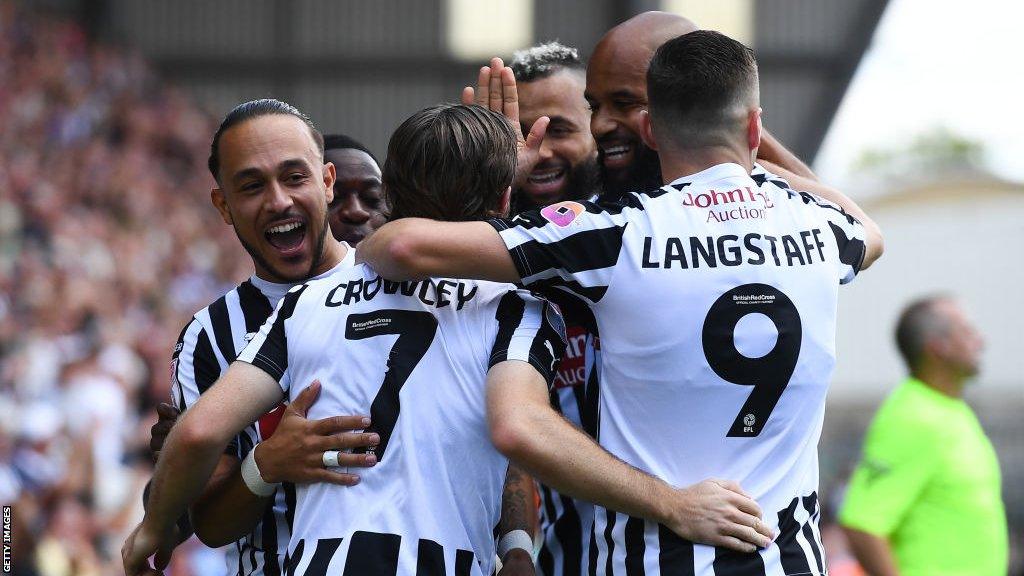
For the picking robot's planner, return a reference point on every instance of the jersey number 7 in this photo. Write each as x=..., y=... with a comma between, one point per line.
x=768, y=374
x=415, y=334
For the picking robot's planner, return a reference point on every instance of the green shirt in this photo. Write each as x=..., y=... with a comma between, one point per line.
x=929, y=483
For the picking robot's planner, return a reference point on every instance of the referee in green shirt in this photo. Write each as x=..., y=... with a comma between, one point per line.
x=925, y=499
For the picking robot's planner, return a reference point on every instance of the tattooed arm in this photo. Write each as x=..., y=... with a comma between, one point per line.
x=518, y=512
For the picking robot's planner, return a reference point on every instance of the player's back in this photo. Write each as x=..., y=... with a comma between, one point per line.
x=414, y=356
x=715, y=298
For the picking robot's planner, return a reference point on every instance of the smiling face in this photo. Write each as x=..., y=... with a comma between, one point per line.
x=358, y=206
x=274, y=192
x=617, y=93
x=568, y=148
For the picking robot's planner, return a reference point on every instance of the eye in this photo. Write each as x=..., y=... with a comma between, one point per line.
x=295, y=178
x=250, y=187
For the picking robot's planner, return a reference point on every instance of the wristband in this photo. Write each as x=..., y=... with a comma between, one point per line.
x=515, y=539
x=252, y=477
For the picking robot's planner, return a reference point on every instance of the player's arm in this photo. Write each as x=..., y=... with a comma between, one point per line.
x=872, y=552
x=518, y=523
x=874, y=243
x=417, y=248
x=229, y=506
x=899, y=459
x=191, y=454
x=772, y=152
x=525, y=427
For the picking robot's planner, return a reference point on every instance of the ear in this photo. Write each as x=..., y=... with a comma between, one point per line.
x=503, y=205
x=754, y=130
x=647, y=130
x=329, y=177
x=217, y=197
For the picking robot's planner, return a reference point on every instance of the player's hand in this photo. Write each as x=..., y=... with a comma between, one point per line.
x=496, y=89
x=145, y=542
x=517, y=563
x=167, y=416
x=720, y=513
x=294, y=453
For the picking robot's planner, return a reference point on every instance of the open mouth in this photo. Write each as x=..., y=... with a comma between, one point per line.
x=286, y=237
x=546, y=181
x=617, y=155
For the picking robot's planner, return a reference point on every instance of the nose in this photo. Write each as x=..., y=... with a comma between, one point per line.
x=352, y=210
x=545, y=149
x=601, y=123
x=277, y=198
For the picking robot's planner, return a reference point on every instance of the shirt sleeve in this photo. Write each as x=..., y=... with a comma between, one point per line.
x=899, y=459
x=530, y=329
x=268, y=349
x=194, y=366
x=849, y=233
x=573, y=246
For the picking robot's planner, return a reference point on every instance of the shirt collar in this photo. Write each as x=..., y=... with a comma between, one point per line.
x=717, y=172
x=276, y=290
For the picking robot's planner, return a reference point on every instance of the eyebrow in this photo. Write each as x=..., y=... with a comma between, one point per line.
x=561, y=120
x=285, y=165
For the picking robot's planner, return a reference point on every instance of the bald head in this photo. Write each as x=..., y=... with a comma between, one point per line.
x=649, y=30
x=617, y=93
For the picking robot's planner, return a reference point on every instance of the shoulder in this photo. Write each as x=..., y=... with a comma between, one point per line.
x=906, y=417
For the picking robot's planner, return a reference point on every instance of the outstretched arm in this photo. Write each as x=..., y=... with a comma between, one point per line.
x=874, y=244
x=772, y=151
x=416, y=248
x=525, y=428
x=190, y=455
x=228, y=509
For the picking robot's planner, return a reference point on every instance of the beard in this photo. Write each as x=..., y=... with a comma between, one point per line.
x=643, y=176
x=583, y=182
x=315, y=261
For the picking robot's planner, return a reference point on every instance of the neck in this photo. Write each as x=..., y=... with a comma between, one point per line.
x=333, y=253
x=942, y=380
x=676, y=163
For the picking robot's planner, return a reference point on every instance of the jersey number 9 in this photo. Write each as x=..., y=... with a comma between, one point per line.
x=768, y=374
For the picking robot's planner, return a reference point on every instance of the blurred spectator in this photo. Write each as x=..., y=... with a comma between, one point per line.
x=107, y=245
x=926, y=498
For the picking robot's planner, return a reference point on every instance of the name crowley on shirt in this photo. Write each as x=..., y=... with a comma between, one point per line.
x=720, y=204
x=439, y=293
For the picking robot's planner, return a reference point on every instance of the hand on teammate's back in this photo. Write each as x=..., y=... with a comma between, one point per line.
x=496, y=90
x=720, y=513
x=294, y=453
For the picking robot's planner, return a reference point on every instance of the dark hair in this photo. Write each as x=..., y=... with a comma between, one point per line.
x=696, y=83
x=255, y=109
x=344, y=142
x=918, y=322
x=543, y=60
x=449, y=162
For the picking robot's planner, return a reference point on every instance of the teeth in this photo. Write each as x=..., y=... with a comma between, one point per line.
x=284, y=228
x=545, y=178
x=616, y=150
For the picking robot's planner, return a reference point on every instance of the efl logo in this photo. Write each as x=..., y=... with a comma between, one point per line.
x=563, y=213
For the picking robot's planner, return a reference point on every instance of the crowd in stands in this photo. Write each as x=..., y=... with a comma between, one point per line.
x=108, y=244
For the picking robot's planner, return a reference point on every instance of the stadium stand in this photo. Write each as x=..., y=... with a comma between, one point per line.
x=107, y=243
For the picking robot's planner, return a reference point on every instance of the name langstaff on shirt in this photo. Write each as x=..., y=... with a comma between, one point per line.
x=799, y=249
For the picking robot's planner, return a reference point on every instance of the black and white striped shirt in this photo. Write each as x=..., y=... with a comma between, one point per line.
x=206, y=347
x=715, y=298
x=565, y=522
x=414, y=356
